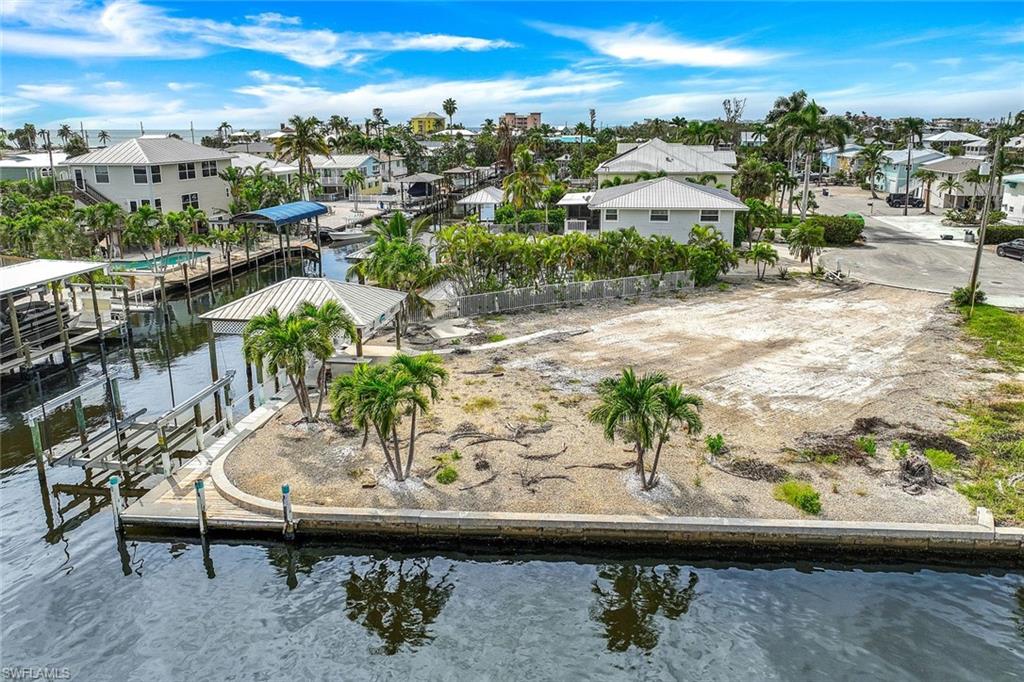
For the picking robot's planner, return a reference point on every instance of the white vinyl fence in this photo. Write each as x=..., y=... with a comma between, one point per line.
x=565, y=294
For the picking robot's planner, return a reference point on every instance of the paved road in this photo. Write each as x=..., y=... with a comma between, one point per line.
x=908, y=252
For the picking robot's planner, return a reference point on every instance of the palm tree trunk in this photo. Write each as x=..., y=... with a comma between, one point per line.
x=398, y=454
x=387, y=453
x=807, y=187
x=650, y=483
x=412, y=441
x=321, y=384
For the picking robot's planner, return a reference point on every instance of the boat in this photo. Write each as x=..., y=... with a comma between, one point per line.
x=345, y=236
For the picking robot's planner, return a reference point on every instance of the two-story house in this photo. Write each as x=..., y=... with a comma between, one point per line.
x=666, y=206
x=892, y=175
x=331, y=170
x=153, y=170
x=426, y=123
x=657, y=157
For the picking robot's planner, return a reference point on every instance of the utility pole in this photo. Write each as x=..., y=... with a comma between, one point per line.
x=984, y=221
x=910, y=150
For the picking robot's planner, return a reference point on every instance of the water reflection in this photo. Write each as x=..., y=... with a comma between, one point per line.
x=398, y=601
x=629, y=597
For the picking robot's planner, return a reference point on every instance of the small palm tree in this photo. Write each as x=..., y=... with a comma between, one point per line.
x=331, y=321
x=141, y=228
x=305, y=141
x=975, y=178
x=926, y=176
x=380, y=400
x=763, y=255
x=871, y=158
x=804, y=130
x=806, y=241
x=678, y=408
x=425, y=372
x=355, y=180
x=950, y=186
x=450, y=107
x=285, y=343
x=104, y=137
x=65, y=133
x=523, y=186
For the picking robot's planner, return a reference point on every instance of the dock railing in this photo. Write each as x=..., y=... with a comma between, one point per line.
x=568, y=293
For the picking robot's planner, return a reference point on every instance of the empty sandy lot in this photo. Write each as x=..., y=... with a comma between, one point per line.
x=774, y=362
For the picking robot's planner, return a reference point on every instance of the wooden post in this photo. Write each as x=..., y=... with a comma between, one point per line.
x=249, y=386
x=229, y=409
x=398, y=329
x=319, y=246
x=80, y=420
x=201, y=506
x=231, y=270
x=16, y=330
x=115, y=394
x=359, y=343
x=209, y=272
x=165, y=454
x=37, y=441
x=61, y=328
x=115, y=500
x=188, y=287
x=127, y=318
x=259, y=383
x=197, y=419
x=214, y=373
x=288, y=249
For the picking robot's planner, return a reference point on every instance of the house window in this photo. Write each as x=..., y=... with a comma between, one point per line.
x=611, y=215
x=209, y=169
x=154, y=173
x=102, y=174
x=140, y=175
x=709, y=215
x=186, y=171
x=188, y=200
x=659, y=215
x=156, y=203
x=133, y=206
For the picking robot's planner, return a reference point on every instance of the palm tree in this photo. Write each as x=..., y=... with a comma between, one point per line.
x=678, y=408
x=872, y=157
x=104, y=137
x=141, y=228
x=763, y=256
x=425, y=372
x=304, y=142
x=381, y=399
x=630, y=408
x=974, y=177
x=355, y=180
x=284, y=343
x=912, y=129
x=64, y=132
x=926, y=176
x=104, y=219
x=760, y=216
x=950, y=186
x=805, y=130
x=806, y=241
x=331, y=321
x=523, y=186
x=223, y=129
x=450, y=107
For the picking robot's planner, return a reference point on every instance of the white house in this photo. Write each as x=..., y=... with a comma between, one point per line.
x=750, y=138
x=23, y=165
x=330, y=172
x=666, y=206
x=1013, y=198
x=836, y=159
x=279, y=169
x=949, y=138
x=893, y=176
x=671, y=159
x=154, y=170
x=955, y=167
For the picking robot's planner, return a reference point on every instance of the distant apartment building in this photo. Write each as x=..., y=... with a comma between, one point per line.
x=518, y=122
x=426, y=123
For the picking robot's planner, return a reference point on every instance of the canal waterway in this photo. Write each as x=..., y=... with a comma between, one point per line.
x=76, y=601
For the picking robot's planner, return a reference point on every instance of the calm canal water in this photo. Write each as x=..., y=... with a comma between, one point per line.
x=74, y=598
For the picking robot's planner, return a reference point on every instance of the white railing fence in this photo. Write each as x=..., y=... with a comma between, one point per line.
x=564, y=294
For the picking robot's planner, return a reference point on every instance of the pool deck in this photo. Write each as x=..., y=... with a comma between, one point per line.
x=171, y=507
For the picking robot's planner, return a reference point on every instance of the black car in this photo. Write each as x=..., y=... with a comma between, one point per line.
x=1011, y=249
x=897, y=201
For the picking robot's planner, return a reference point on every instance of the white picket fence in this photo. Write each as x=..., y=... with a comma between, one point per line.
x=565, y=294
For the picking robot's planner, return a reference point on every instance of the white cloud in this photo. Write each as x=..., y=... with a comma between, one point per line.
x=175, y=86
x=651, y=44
x=952, y=62
x=130, y=28
x=909, y=67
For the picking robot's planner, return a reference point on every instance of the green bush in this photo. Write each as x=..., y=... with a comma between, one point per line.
x=704, y=265
x=506, y=215
x=997, y=234
x=867, y=445
x=715, y=444
x=900, y=449
x=801, y=495
x=447, y=475
x=941, y=459
x=961, y=296
x=840, y=230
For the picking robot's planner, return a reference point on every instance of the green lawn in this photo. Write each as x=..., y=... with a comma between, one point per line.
x=1001, y=332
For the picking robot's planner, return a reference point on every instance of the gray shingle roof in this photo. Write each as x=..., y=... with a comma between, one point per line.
x=665, y=193
x=148, y=151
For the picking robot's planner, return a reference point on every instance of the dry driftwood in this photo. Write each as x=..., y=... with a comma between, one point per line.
x=531, y=481
x=483, y=437
x=483, y=482
x=548, y=456
x=612, y=466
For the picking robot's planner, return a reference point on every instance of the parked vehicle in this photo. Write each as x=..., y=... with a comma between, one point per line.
x=897, y=201
x=1011, y=249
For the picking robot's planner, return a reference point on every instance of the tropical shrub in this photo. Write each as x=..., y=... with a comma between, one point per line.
x=839, y=230
x=940, y=459
x=447, y=475
x=799, y=494
x=961, y=296
x=867, y=445
x=997, y=234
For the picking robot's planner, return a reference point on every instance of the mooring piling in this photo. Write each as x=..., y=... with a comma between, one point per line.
x=201, y=506
x=115, y=501
x=286, y=504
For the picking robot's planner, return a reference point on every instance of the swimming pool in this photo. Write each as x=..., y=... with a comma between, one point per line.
x=161, y=262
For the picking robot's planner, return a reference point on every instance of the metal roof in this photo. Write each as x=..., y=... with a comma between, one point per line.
x=429, y=114
x=419, y=177
x=283, y=214
x=32, y=273
x=665, y=193
x=486, y=195
x=952, y=136
x=1018, y=177
x=340, y=160
x=575, y=199
x=31, y=159
x=898, y=157
x=953, y=164
x=246, y=160
x=369, y=307
x=656, y=155
x=460, y=170
x=148, y=150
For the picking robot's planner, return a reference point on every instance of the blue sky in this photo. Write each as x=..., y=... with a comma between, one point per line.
x=113, y=63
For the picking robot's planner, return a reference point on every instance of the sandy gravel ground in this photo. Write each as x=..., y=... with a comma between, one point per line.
x=774, y=362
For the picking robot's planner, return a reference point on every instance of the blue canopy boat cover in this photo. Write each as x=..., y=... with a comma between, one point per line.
x=284, y=214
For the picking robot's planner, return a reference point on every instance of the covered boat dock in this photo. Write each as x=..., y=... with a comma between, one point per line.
x=285, y=215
